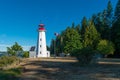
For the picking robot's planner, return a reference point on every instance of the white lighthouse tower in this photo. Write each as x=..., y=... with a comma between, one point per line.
x=41, y=45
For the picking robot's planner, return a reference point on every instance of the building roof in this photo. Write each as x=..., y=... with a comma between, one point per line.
x=32, y=48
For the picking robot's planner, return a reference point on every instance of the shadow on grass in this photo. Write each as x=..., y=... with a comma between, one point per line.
x=57, y=70
x=11, y=74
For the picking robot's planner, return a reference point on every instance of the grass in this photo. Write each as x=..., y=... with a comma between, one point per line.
x=10, y=74
x=70, y=69
x=10, y=68
x=8, y=60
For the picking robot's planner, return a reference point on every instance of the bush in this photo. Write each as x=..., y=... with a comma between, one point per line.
x=84, y=55
x=7, y=60
x=26, y=54
x=10, y=74
x=105, y=47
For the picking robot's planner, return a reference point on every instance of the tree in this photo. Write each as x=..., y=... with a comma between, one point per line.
x=83, y=27
x=103, y=21
x=91, y=37
x=116, y=29
x=77, y=28
x=107, y=21
x=26, y=54
x=52, y=46
x=117, y=9
x=105, y=47
x=14, y=49
x=73, y=25
x=109, y=14
x=85, y=55
x=72, y=40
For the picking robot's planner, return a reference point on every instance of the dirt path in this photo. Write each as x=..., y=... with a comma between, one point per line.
x=67, y=69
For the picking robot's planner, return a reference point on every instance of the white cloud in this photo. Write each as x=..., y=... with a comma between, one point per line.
x=4, y=47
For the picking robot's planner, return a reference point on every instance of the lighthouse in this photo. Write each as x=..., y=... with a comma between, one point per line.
x=41, y=43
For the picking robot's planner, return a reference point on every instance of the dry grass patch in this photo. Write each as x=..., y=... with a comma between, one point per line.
x=69, y=69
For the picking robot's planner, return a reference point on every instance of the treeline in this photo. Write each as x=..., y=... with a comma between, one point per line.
x=101, y=33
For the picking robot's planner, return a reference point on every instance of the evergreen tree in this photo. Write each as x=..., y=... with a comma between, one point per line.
x=117, y=9
x=116, y=29
x=98, y=22
x=91, y=36
x=52, y=46
x=59, y=44
x=72, y=40
x=84, y=25
x=103, y=21
x=83, y=28
x=73, y=25
x=77, y=28
x=109, y=14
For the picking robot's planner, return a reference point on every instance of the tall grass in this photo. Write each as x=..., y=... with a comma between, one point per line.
x=7, y=72
x=8, y=60
x=10, y=74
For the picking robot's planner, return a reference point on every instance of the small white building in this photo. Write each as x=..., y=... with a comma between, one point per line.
x=32, y=52
x=41, y=49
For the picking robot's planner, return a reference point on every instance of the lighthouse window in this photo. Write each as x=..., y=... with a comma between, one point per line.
x=40, y=52
x=40, y=39
x=40, y=45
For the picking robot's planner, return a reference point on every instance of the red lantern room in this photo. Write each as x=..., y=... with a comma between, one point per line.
x=41, y=27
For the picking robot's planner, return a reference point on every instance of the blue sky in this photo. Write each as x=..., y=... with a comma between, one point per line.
x=19, y=19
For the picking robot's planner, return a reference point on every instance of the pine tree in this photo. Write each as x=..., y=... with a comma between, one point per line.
x=83, y=28
x=72, y=40
x=73, y=25
x=52, y=47
x=91, y=36
x=116, y=29
x=84, y=25
x=117, y=9
x=109, y=14
x=77, y=28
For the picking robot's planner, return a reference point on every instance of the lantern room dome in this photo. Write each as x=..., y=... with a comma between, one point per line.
x=41, y=27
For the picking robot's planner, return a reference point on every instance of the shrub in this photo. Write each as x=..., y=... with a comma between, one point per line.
x=10, y=74
x=84, y=55
x=105, y=47
x=7, y=60
x=26, y=54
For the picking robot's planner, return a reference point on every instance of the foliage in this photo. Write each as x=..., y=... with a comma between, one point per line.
x=104, y=25
x=103, y=21
x=83, y=28
x=10, y=74
x=52, y=47
x=77, y=28
x=84, y=25
x=26, y=54
x=71, y=40
x=116, y=29
x=85, y=55
x=14, y=49
x=7, y=60
x=105, y=47
x=91, y=36
x=117, y=9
